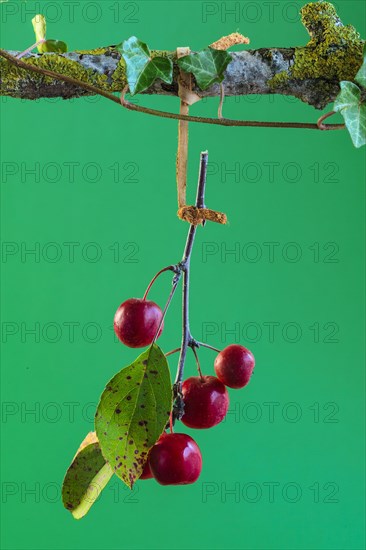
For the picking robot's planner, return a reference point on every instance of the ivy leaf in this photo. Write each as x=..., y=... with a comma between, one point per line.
x=361, y=75
x=40, y=27
x=55, y=46
x=133, y=412
x=142, y=69
x=207, y=66
x=86, y=477
x=348, y=103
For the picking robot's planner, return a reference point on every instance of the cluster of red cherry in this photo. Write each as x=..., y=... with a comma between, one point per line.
x=176, y=458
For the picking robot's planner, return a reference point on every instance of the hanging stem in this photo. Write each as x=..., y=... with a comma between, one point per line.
x=187, y=339
x=183, y=268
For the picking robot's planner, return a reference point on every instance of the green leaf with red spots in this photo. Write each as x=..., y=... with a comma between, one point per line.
x=86, y=477
x=133, y=412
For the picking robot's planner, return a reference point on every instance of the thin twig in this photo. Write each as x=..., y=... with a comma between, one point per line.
x=171, y=352
x=221, y=121
x=28, y=50
x=203, y=345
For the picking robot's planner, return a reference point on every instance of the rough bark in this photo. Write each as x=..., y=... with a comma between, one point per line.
x=311, y=73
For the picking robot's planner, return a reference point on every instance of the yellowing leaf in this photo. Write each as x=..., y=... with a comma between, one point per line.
x=86, y=477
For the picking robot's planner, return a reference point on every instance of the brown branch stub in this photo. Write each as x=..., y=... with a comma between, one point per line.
x=233, y=39
x=196, y=216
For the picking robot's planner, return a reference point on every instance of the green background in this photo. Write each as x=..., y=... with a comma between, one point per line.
x=285, y=470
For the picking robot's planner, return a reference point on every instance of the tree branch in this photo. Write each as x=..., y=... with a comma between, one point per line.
x=311, y=73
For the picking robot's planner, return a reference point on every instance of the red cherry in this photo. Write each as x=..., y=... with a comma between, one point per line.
x=206, y=401
x=146, y=472
x=234, y=366
x=175, y=460
x=136, y=322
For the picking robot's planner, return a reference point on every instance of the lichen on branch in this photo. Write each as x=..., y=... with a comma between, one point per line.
x=311, y=73
x=333, y=54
